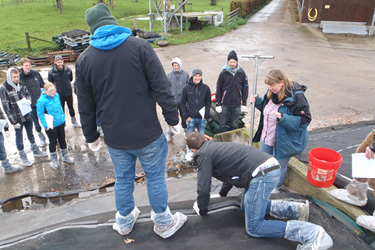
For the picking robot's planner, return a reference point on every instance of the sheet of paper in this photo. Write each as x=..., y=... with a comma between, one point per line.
x=362, y=167
x=24, y=106
x=202, y=112
x=49, y=120
x=2, y=124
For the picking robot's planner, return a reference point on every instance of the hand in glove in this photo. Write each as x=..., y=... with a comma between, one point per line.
x=198, y=211
x=243, y=109
x=218, y=109
x=17, y=126
x=96, y=145
x=175, y=129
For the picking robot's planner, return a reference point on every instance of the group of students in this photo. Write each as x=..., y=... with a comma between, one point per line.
x=26, y=100
x=193, y=97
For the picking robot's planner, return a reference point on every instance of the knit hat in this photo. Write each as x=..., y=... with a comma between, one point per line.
x=58, y=57
x=232, y=55
x=98, y=16
x=196, y=71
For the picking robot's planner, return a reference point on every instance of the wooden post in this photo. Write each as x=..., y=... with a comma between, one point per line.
x=28, y=41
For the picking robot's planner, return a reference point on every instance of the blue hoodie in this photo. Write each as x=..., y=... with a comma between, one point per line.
x=53, y=107
x=109, y=37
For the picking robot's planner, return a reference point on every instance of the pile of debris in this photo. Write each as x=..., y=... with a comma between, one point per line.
x=77, y=40
x=6, y=59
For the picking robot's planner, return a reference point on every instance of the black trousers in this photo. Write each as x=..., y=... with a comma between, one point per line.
x=57, y=133
x=69, y=102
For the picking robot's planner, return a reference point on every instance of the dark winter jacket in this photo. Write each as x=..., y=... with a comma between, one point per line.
x=178, y=81
x=61, y=79
x=123, y=84
x=232, y=90
x=194, y=98
x=231, y=163
x=2, y=117
x=34, y=83
x=291, y=129
x=9, y=98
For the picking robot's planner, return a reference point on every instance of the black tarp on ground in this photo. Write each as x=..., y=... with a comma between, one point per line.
x=223, y=229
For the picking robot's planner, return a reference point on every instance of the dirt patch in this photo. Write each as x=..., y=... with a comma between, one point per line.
x=293, y=10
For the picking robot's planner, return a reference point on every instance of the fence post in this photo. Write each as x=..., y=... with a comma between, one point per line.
x=28, y=41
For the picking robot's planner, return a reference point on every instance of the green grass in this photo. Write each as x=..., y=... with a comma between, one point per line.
x=43, y=21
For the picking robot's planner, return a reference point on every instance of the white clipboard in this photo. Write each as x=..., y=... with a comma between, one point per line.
x=362, y=167
x=49, y=120
x=24, y=106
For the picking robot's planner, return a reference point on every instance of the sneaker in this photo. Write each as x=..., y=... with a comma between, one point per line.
x=125, y=230
x=12, y=169
x=178, y=220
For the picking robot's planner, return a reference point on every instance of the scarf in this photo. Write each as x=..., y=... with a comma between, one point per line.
x=234, y=71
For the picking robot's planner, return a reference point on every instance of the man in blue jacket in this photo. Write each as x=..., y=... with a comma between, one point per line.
x=120, y=79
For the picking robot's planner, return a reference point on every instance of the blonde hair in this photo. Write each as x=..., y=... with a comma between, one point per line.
x=276, y=76
x=48, y=85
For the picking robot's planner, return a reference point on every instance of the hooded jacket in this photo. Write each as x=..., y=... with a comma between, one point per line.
x=291, y=129
x=194, y=98
x=232, y=90
x=61, y=79
x=178, y=80
x=122, y=85
x=10, y=94
x=34, y=83
x=231, y=163
x=51, y=106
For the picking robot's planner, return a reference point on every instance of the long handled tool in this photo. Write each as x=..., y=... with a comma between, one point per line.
x=257, y=60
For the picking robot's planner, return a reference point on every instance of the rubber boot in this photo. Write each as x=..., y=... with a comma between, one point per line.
x=8, y=168
x=290, y=210
x=75, y=122
x=42, y=139
x=65, y=156
x=355, y=193
x=54, y=160
x=24, y=161
x=166, y=224
x=124, y=224
x=37, y=152
x=310, y=235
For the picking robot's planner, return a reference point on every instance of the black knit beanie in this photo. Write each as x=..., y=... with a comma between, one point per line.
x=232, y=55
x=98, y=16
x=197, y=71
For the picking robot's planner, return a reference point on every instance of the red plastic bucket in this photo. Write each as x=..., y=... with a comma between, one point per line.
x=323, y=166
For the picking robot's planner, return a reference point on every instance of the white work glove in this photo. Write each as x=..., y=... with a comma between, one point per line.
x=196, y=208
x=17, y=126
x=243, y=109
x=219, y=109
x=96, y=145
x=175, y=129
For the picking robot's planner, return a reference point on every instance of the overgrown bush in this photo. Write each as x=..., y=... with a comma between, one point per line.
x=247, y=6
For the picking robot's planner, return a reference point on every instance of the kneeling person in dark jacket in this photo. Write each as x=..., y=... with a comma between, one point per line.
x=258, y=173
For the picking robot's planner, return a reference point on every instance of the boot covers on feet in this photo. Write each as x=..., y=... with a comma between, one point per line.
x=355, y=193
x=124, y=224
x=54, y=160
x=65, y=156
x=42, y=139
x=8, y=168
x=37, y=152
x=166, y=224
x=312, y=237
x=291, y=210
x=75, y=122
x=24, y=161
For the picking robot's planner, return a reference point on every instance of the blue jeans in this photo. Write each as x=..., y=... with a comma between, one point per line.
x=153, y=158
x=19, y=134
x=3, y=153
x=198, y=123
x=283, y=161
x=229, y=113
x=256, y=204
x=36, y=120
